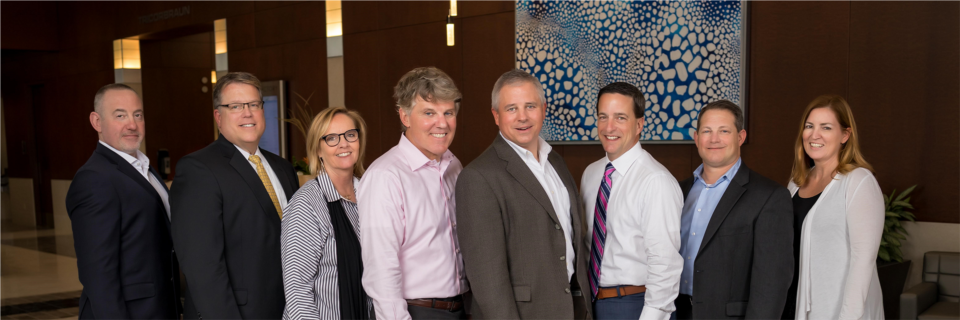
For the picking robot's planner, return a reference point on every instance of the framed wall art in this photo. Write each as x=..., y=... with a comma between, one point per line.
x=681, y=54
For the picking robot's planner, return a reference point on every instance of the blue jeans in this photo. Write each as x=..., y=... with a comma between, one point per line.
x=626, y=307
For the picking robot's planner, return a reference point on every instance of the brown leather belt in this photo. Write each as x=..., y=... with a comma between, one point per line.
x=436, y=304
x=616, y=292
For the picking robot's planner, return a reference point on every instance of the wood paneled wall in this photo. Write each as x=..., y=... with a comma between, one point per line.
x=895, y=62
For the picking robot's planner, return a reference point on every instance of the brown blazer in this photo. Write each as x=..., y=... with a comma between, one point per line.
x=512, y=243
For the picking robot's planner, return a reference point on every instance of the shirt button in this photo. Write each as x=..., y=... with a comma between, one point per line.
x=566, y=290
x=698, y=210
x=557, y=226
x=563, y=258
x=684, y=281
x=694, y=233
x=688, y=257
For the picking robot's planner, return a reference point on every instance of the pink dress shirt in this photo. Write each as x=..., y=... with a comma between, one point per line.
x=408, y=229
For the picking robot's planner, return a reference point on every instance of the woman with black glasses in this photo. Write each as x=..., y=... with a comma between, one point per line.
x=319, y=239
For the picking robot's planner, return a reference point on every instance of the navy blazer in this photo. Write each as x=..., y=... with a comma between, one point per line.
x=227, y=233
x=122, y=238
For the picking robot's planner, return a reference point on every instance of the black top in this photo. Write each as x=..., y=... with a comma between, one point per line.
x=800, y=208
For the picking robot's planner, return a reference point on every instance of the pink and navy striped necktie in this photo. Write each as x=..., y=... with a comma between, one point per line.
x=600, y=229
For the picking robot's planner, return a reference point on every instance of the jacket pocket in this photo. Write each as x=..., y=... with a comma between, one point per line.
x=138, y=291
x=521, y=293
x=241, y=296
x=736, y=309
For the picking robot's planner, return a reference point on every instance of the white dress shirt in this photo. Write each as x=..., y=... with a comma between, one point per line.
x=277, y=187
x=556, y=191
x=142, y=164
x=642, y=245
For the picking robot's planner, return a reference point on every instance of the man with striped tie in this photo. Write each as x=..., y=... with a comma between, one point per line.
x=633, y=213
x=522, y=229
x=226, y=201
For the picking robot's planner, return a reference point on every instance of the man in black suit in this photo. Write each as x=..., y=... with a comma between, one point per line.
x=120, y=215
x=736, y=229
x=227, y=201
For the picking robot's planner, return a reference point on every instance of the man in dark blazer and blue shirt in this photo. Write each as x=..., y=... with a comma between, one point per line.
x=736, y=229
x=119, y=211
x=227, y=202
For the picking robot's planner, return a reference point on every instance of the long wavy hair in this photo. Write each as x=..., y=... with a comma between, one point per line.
x=319, y=126
x=850, y=155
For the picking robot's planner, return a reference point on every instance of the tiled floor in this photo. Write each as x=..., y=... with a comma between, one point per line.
x=38, y=274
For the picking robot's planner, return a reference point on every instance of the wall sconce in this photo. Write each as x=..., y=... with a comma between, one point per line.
x=450, y=31
x=453, y=8
x=213, y=76
x=126, y=54
x=220, y=48
x=334, y=19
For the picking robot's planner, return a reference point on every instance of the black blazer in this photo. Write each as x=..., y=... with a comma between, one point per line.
x=745, y=262
x=122, y=238
x=227, y=233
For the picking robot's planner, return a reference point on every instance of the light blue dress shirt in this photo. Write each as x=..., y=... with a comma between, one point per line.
x=697, y=210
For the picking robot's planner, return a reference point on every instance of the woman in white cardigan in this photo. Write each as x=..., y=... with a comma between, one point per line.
x=834, y=188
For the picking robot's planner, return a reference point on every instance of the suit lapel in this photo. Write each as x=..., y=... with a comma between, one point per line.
x=727, y=201
x=285, y=182
x=249, y=175
x=126, y=168
x=519, y=170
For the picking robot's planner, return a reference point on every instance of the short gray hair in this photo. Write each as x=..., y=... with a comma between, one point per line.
x=98, y=99
x=514, y=77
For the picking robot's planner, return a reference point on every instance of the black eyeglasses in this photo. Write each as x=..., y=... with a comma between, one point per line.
x=238, y=107
x=333, y=139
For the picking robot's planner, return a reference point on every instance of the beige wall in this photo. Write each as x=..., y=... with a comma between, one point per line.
x=335, y=81
x=927, y=236
x=58, y=193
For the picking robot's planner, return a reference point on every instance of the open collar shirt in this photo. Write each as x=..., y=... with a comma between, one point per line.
x=408, y=229
x=643, y=227
x=697, y=211
x=142, y=164
x=549, y=179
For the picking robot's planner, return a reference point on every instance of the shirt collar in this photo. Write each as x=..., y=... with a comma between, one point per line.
x=544, y=149
x=246, y=155
x=627, y=159
x=144, y=161
x=416, y=159
x=328, y=190
x=725, y=177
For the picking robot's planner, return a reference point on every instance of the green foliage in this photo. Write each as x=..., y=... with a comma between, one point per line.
x=893, y=231
x=301, y=166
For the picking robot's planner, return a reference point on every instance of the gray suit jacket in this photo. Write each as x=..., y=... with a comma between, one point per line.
x=745, y=262
x=512, y=242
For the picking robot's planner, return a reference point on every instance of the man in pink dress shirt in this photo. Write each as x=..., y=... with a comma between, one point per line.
x=412, y=268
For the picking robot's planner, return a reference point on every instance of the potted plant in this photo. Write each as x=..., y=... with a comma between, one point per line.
x=302, y=117
x=891, y=268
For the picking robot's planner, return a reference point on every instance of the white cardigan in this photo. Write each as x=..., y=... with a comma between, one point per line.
x=838, y=250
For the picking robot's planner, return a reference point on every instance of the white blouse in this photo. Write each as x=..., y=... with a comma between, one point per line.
x=838, y=250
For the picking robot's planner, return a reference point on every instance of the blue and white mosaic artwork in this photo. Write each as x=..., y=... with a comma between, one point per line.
x=681, y=54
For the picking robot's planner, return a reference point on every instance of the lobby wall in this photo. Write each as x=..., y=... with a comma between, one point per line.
x=895, y=62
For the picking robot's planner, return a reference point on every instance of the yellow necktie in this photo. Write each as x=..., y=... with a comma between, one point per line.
x=266, y=183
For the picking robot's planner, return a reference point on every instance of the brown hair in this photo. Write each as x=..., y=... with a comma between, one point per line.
x=430, y=84
x=850, y=155
x=725, y=105
x=319, y=126
x=626, y=89
x=231, y=78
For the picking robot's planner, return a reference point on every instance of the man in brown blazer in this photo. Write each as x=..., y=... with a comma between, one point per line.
x=521, y=221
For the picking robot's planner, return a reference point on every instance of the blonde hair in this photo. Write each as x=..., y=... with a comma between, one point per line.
x=850, y=155
x=319, y=126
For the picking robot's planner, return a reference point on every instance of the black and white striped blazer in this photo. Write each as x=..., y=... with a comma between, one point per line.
x=308, y=249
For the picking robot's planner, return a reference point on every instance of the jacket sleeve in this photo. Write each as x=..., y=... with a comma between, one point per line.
x=94, y=209
x=772, y=267
x=197, y=222
x=483, y=244
x=865, y=217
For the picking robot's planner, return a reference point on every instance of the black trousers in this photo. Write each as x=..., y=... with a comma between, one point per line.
x=424, y=313
x=684, y=304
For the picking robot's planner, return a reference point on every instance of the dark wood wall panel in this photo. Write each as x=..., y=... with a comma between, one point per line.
x=485, y=57
x=905, y=91
x=32, y=25
x=362, y=92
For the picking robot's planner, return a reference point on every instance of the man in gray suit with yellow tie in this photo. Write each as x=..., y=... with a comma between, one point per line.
x=521, y=222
